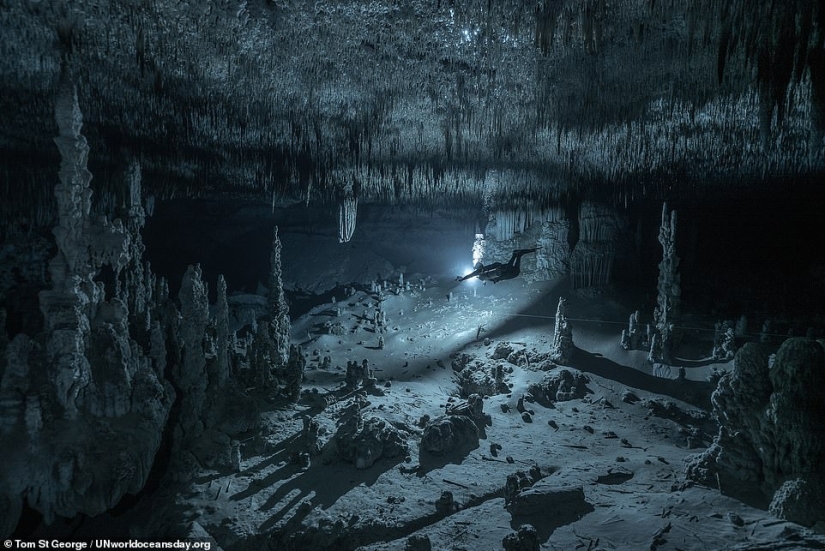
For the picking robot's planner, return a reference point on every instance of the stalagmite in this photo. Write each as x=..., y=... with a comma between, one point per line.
x=278, y=307
x=561, y=351
x=94, y=363
x=293, y=373
x=666, y=313
x=65, y=307
x=191, y=376
x=134, y=279
x=262, y=356
x=219, y=370
x=632, y=337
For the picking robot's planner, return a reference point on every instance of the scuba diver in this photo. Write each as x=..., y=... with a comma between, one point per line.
x=497, y=271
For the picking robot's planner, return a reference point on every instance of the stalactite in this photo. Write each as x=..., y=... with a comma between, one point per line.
x=505, y=223
x=347, y=210
x=591, y=264
x=311, y=128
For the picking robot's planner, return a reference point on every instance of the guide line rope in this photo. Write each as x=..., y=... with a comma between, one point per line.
x=594, y=320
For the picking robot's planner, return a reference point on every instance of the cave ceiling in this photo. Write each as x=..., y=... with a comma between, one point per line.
x=414, y=100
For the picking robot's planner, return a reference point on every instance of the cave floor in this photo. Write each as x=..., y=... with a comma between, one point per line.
x=629, y=461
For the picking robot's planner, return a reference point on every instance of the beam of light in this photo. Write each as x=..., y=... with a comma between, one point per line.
x=468, y=270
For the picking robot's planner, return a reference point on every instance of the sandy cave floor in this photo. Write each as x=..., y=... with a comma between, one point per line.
x=629, y=462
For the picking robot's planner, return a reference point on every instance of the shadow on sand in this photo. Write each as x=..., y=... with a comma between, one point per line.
x=320, y=485
x=429, y=462
x=695, y=393
x=545, y=524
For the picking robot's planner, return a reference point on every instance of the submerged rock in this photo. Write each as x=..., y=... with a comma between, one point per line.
x=560, y=386
x=365, y=443
x=525, y=539
x=449, y=432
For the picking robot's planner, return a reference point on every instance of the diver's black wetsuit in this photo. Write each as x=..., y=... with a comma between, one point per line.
x=497, y=271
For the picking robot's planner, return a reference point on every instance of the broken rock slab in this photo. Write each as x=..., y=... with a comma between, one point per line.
x=549, y=500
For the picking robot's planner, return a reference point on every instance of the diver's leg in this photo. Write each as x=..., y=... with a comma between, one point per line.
x=515, y=260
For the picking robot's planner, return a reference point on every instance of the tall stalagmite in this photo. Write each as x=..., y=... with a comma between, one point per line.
x=666, y=313
x=279, y=309
x=191, y=376
x=561, y=351
x=135, y=283
x=66, y=306
x=219, y=368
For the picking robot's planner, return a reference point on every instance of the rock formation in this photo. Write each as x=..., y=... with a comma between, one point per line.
x=724, y=341
x=84, y=400
x=549, y=500
x=772, y=430
x=526, y=538
x=292, y=374
x=560, y=386
x=369, y=442
x=527, y=227
x=599, y=246
x=635, y=336
x=450, y=432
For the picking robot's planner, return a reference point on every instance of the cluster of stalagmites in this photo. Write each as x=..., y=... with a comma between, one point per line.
x=663, y=336
x=771, y=439
x=85, y=399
